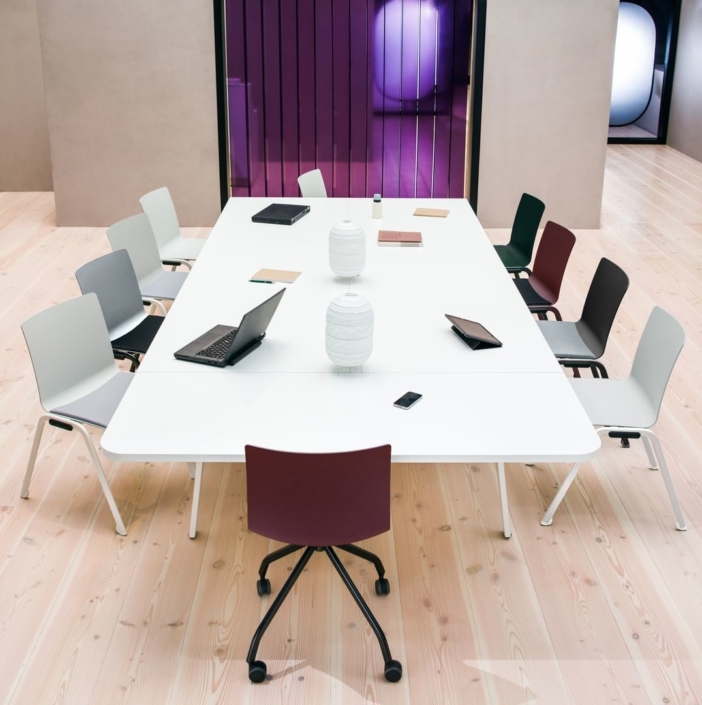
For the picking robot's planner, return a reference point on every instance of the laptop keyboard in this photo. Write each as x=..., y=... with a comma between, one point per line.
x=219, y=348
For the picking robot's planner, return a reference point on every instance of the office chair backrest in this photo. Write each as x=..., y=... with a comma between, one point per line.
x=135, y=235
x=555, y=247
x=325, y=499
x=312, y=184
x=70, y=350
x=660, y=345
x=158, y=206
x=602, y=302
x=526, y=224
x=112, y=278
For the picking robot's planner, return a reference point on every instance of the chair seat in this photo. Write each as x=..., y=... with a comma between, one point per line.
x=140, y=338
x=98, y=407
x=511, y=257
x=564, y=340
x=615, y=402
x=164, y=286
x=182, y=248
x=531, y=298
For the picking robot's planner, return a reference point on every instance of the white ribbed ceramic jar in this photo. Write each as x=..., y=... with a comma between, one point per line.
x=349, y=330
x=347, y=249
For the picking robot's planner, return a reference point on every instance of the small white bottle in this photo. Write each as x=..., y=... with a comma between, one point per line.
x=377, y=206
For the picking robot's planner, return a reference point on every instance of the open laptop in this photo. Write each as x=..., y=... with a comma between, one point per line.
x=224, y=345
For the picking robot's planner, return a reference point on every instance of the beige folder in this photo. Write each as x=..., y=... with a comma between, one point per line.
x=275, y=275
x=432, y=212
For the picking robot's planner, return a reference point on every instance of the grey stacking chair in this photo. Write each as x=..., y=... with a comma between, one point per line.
x=581, y=344
x=77, y=378
x=113, y=280
x=627, y=408
x=135, y=235
x=173, y=248
x=311, y=184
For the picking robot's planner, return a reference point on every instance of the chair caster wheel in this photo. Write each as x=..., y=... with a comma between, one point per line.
x=625, y=443
x=257, y=671
x=264, y=588
x=393, y=671
x=382, y=586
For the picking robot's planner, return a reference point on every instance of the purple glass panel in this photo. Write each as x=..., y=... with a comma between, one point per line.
x=372, y=92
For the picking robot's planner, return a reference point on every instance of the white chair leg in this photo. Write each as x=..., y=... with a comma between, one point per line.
x=155, y=304
x=506, y=529
x=677, y=510
x=548, y=517
x=33, y=455
x=192, y=469
x=196, y=500
x=101, y=476
x=652, y=462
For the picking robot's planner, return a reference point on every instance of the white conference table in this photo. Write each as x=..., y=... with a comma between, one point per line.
x=511, y=404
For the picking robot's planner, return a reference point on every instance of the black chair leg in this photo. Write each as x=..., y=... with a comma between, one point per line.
x=366, y=555
x=601, y=369
x=275, y=556
x=257, y=669
x=391, y=666
x=555, y=312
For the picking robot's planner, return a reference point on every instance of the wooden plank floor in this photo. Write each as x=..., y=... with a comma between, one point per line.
x=604, y=606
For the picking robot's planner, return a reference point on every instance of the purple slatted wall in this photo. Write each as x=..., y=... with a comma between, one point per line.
x=372, y=92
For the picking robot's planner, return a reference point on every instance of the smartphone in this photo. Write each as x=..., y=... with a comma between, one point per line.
x=408, y=400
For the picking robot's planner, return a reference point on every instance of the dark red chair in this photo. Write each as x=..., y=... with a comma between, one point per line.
x=541, y=290
x=317, y=502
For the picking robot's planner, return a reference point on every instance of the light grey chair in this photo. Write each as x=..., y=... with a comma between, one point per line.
x=113, y=280
x=77, y=378
x=311, y=184
x=627, y=408
x=173, y=248
x=135, y=235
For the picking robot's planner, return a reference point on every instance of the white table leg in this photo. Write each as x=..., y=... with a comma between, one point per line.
x=196, y=500
x=191, y=468
x=548, y=517
x=507, y=530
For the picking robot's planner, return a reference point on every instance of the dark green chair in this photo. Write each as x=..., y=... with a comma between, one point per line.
x=516, y=255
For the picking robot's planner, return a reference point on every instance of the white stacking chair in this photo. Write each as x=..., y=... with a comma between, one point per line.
x=311, y=184
x=112, y=279
x=135, y=235
x=77, y=378
x=173, y=248
x=628, y=408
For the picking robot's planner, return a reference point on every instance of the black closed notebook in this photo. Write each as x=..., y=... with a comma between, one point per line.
x=281, y=214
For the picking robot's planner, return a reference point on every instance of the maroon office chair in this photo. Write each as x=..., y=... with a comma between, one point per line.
x=541, y=290
x=317, y=502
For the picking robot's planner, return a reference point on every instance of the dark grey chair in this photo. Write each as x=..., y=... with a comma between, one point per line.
x=113, y=280
x=581, y=344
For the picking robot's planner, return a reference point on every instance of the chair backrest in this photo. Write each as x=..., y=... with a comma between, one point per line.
x=158, y=206
x=551, y=259
x=70, y=350
x=606, y=292
x=526, y=224
x=312, y=184
x=135, y=235
x=660, y=345
x=313, y=499
x=112, y=278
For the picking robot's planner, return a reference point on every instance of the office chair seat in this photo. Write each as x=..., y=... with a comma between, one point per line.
x=565, y=341
x=164, y=286
x=98, y=407
x=531, y=297
x=511, y=256
x=183, y=248
x=140, y=338
x=615, y=402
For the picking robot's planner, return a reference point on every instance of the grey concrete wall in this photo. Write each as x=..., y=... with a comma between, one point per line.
x=548, y=81
x=25, y=162
x=685, y=127
x=131, y=101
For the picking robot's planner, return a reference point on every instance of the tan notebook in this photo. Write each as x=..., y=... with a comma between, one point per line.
x=432, y=212
x=399, y=238
x=271, y=276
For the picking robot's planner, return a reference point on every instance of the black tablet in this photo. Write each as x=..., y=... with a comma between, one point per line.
x=472, y=333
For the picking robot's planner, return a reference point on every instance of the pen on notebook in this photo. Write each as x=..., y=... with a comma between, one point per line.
x=260, y=281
